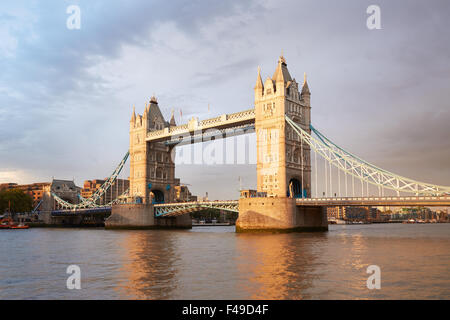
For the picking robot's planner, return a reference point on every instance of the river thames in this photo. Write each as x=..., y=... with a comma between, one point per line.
x=217, y=263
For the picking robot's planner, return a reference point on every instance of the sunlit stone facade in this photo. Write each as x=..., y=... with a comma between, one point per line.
x=281, y=154
x=152, y=171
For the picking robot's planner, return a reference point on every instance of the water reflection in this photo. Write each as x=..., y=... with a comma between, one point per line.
x=279, y=266
x=147, y=271
x=217, y=263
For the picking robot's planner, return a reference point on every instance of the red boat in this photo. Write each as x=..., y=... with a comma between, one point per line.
x=19, y=226
x=8, y=223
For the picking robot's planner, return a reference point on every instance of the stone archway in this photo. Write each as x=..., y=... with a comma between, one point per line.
x=295, y=187
x=157, y=196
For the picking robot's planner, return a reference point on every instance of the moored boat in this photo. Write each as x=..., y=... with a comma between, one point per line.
x=8, y=223
x=19, y=226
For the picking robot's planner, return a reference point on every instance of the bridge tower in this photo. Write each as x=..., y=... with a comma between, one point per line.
x=152, y=176
x=283, y=159
x=283, y=166
x=152, y=171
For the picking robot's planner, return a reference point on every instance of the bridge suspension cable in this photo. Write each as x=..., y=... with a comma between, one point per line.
x=37, y=206
x=66, y=205
x=91, y=202
x=361, y=169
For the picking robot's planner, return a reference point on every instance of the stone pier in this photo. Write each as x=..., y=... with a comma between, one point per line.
x=131, y=216
x=272, y=214
x=179, y=222
x=141, y=216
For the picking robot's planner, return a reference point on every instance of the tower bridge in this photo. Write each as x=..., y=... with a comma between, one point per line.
x=286, y=143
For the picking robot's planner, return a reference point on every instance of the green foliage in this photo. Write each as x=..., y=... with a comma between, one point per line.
x=17, y=199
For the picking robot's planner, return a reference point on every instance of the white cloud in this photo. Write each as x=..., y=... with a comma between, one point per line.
x=17, y=176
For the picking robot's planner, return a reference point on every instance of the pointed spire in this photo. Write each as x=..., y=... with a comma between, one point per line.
x=305, y=88
x=145, y=113
x=259, y=83
x=133, y=116
x=172, y=119
x=153, y=109
x=281, y=73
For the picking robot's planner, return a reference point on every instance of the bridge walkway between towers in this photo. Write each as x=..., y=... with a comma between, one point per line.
x=226, y=124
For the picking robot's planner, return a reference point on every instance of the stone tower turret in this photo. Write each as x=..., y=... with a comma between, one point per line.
x=283, y=166
x=259, y=87
x=152, y=171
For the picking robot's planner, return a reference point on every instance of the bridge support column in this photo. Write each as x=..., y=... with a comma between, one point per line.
x=180, y=222
x=279, y=215
x=131, y=216
x=141, y=216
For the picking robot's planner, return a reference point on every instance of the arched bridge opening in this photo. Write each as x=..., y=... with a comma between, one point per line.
x=157, y=196
x=294, y=188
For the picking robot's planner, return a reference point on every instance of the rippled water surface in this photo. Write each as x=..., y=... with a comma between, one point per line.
x=217, y=263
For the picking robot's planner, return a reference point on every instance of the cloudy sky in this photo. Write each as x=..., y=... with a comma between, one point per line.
x=66, y=96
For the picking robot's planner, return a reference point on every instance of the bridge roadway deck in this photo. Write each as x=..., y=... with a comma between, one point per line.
x=177, y=208
x=407, y=201
x=84, y=211
x=174, y=209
